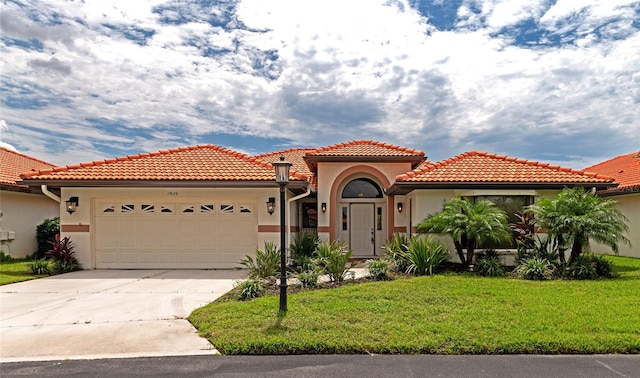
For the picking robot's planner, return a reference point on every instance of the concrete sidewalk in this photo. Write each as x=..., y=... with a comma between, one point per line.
x=108, y=313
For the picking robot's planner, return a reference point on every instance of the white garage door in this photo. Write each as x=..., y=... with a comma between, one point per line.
x=181, y=234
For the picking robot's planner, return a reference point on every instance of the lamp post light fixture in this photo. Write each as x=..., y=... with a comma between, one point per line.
x=72, y=204
x=282, y=178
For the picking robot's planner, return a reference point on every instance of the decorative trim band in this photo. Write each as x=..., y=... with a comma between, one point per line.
x=74, y=228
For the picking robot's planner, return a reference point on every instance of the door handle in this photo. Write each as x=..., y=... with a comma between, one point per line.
x=373, y=236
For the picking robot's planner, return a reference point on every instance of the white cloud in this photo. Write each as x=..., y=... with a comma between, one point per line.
x=318, y=73
x=3, y=129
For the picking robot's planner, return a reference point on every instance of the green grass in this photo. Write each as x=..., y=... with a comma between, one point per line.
x=441, y=314
x=16, y=271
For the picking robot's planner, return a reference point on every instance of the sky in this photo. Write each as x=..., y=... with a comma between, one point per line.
x=552, y=81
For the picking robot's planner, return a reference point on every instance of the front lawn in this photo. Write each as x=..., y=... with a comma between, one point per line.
x=16, y=271
x=441, y=314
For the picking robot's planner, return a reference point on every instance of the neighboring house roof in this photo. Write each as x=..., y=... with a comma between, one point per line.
x=625, y=169
x=484, y=170
x=294, y=156
x=13, y=164
x=196, y=165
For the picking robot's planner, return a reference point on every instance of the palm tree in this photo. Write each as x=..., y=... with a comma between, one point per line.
x=470, y=225
x=576, y=216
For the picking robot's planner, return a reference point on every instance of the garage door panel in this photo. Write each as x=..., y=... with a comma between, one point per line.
x=108, y=226
x=128, y=226
x=168, y=257
x=157, y=234
x=147, y=241
x=147, y=257
x=188, y=226
x=188, y=257
x=127, y=242
x=128, y=257
x=107, y=257
x=208, y=257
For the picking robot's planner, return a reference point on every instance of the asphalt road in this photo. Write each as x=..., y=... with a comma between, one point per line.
x=525, y=366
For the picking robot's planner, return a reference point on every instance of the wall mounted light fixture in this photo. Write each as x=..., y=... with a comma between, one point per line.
x=72, y=205
x=323, y=207
x=271, y=205
x=400, y=207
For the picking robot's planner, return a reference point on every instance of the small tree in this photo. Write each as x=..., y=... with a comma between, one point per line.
x=45, y=235
x=576, y=216
x=470, y=225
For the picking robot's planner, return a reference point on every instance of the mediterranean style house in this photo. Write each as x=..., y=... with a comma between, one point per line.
x=22, y=208
x=207, y=207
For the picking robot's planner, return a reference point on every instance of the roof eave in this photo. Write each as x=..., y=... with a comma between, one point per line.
x=57, y=183
x=405, y=187
x=619, y=191
x=312, y=160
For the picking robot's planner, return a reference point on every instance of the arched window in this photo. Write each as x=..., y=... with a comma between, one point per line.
x=362, y=188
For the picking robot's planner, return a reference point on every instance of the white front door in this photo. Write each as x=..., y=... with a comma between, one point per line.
x=362, y=235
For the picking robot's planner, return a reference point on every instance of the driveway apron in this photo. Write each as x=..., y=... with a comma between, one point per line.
x=108, y=313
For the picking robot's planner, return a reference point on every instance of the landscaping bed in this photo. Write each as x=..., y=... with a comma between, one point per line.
x=17, y=270
x=450, y=313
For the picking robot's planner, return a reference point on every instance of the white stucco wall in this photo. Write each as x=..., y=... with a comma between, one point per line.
x=22, y=213
x=629, y=205
x=83, y=217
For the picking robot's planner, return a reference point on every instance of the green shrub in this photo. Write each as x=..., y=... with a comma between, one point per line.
x=248, y=289
x=333, y=259
x=604, y=266
x=302, y=250
x=378, y=269
x=489, y=266
x=5, y=258
x=584, y=268
x=40, y=267
x=425, y=255
x=63, y=266
x=45, y=235
x=308, y=278
x=396, y=251
x=63, y=255
x=266, y=264
x=535, y=268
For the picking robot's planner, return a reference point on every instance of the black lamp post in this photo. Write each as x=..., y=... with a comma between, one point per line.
x=282, y=179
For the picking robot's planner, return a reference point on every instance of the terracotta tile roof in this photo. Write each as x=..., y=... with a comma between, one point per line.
x=195, y=163
x=365, y=148
x=14, y=163
x=294, y=156
x=482, y=167
x=625, y=169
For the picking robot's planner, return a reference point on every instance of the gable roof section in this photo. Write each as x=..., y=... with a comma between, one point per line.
x=625, y=169
x=484, y=170
x=364, y=150
x=195, y=165
x=294, y=156
x=13, y=164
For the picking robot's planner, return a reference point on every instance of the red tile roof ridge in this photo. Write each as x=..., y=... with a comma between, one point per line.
x=27, y=156
x=145, y=155
x=358, y=142
x=289, y=150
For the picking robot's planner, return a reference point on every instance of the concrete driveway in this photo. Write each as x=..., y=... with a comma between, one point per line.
x=108, y=313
